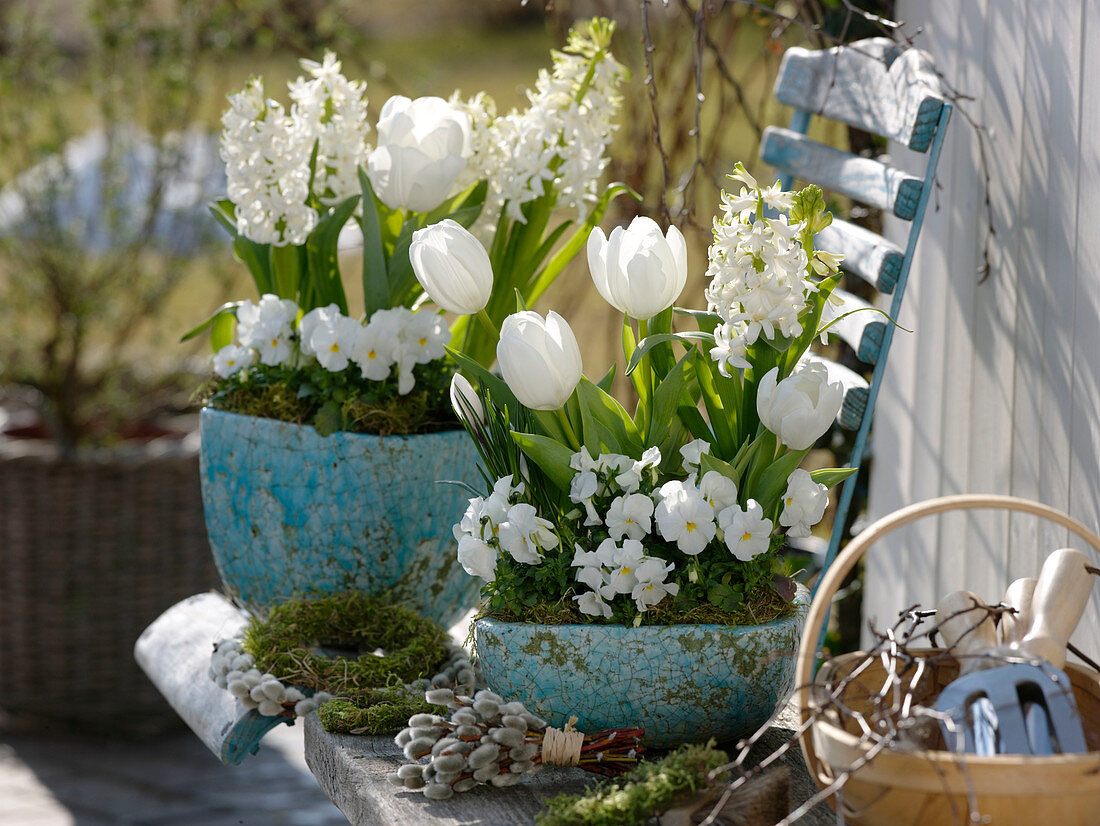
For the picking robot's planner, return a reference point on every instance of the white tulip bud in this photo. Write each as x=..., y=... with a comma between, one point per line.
x=638, y=271
x=801, y=407
x=452, y=266
x=539, y=359
x=468, y=408
x=422, y=148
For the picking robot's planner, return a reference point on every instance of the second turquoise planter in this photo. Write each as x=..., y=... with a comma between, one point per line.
x=291, y=513
x=683, y=683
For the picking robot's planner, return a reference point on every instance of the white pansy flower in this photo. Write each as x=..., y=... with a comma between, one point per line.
x=581, y=490
x=592, y=604
x=477, y=557
x=258, y=324
x=582, y=461
x=310, y=322
x=231, y=359
x=804, y=503
x=630, y=515
x=685, y=517
x=747, y=533
x=651, y=587
x=730, y=348
x=376, y=343
x=476, y=521
x=692, y=453
x=631, y=478
x=500, y=500
x=623, y=562
x=333, y=340
x=584, y=558
x=719, y=491
x=525, y=535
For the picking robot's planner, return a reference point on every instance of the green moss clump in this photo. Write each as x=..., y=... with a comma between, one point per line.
x=286, y=644
x=385, y=712
x=762, y=605
x=647, y=792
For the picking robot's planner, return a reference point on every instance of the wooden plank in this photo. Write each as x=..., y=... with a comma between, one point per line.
x=872, y=257
x=857, y=323
x=863, y=179
x=175, y=653
x=352, y=771
x=867, y=85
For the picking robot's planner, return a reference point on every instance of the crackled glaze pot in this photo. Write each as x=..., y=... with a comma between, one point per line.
x=683, y=683
x=292, y=513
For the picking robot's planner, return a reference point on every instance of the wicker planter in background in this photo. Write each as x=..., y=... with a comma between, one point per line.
x=93, y=549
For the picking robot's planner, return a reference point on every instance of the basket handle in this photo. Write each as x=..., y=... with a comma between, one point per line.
x=846, y=561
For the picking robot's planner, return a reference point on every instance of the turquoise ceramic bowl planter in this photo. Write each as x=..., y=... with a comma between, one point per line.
x=292, y=513
x=683, y=683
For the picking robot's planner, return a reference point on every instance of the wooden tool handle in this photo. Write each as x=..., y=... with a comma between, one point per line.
x=1014, y=627
x=1059, y=600
x=967, y=629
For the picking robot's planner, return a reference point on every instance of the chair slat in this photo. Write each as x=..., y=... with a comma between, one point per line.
x=855, y=392
x=870, y=85
x=858, y=323
x=863, y=179
x=873, y=258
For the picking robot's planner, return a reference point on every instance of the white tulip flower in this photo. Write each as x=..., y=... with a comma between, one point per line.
x=452, y=266
x=637, y=270
x=422, y=148
x=630, y=516
x=231, y=359
x=466, y=403
x=477, y=557
x=801, y=407
x=747, y=533
x=539, y=359
x=804, y=503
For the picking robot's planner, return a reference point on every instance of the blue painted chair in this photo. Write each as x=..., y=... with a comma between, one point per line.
x=876, y=86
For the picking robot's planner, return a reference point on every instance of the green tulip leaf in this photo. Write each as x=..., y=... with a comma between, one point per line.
x=676, y=389
x=708, y=322
x=708, y=463
x=375, y=279
x=608, y=379
x=551, y=456
x=324, y=285
x=606, y=410
x=773, y=481
x=830, y=476
x=649, y=342
x=228, y=309
x=721, y=418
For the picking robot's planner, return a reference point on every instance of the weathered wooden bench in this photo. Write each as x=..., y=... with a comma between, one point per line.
x=876, y=86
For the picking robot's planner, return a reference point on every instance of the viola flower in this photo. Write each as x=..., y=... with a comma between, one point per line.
x=630, y=516
x=525, y=535
x=804, y=503
x=623, y=563
x=685, y=517
x=719, y=491
x=373, y=348
x=631, y=478
x=692, y=453
x=231, y=359
x=477, y=557
x=651, y=587
x=309, y=324
x=747, y=533
x=592, y=604
x=333, y=340
x=581, y=490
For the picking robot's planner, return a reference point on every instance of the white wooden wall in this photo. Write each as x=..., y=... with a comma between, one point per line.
x=998, y=388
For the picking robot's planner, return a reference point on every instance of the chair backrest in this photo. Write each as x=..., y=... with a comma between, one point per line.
x=876, y=86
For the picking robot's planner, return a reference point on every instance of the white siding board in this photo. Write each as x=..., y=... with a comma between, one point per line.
x=998, y=389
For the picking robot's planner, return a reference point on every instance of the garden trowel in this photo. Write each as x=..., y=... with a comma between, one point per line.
x=1003, y=693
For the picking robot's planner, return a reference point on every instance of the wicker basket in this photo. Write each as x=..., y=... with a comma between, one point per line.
x=93, y=549
x=930, y=788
